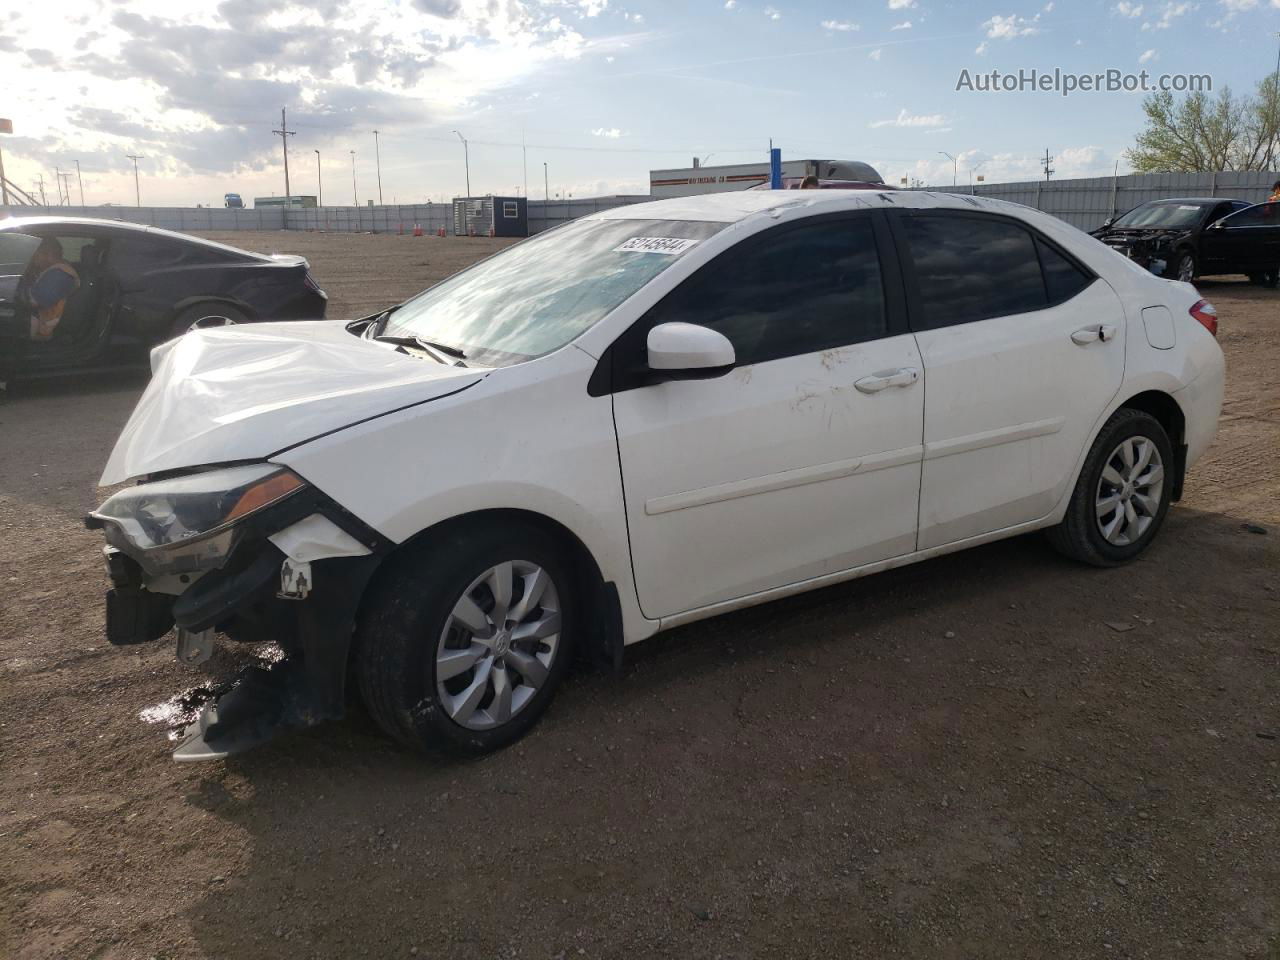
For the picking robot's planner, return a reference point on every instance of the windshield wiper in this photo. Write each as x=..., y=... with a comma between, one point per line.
x=442, y=352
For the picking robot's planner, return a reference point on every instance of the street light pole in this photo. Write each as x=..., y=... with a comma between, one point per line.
x=80, y=180
x=355, y=197
x=377, y=160
x=137, y=190
x=953, y=165
x=466, y=157
x=319, y=183
x=546, y=190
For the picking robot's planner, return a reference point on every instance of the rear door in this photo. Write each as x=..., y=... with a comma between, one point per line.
x=804, y=460
x=1023, y=348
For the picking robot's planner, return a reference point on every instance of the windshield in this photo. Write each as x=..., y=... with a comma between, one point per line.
x=1170, y=215
x=540, y=294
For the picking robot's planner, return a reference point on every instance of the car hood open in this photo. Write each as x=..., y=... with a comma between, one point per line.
x=249, y=391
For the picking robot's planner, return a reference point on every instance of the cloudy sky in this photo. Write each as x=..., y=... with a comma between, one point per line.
x=601, y=91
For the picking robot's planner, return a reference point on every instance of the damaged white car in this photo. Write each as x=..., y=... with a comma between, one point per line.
x=642, y=418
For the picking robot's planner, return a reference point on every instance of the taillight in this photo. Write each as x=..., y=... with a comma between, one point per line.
x=310, y=283
x=1204, y=312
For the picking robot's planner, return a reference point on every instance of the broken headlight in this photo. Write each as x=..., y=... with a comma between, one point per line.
x=189, y=523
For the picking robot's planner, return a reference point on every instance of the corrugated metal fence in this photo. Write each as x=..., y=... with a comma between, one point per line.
x=1087, y=202
x=384, y=219
x=1084, y=203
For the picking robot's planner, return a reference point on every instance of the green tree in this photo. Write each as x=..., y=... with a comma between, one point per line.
x=1200, y=132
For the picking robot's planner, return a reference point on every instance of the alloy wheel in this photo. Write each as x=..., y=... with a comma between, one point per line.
x=498, y=645
x=1129, y=491
x=1186, y=268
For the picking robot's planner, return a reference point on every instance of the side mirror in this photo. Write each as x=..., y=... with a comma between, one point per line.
x=1216, y=225
x=686, y=351
x=1108, y=222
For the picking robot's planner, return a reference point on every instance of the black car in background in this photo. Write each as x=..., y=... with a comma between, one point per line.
x=1198, y=236
x=139, y=286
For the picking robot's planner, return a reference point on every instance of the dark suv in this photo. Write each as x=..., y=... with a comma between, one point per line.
x=1195, y=236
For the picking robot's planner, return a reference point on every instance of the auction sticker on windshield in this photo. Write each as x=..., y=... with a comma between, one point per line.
x=671, y=246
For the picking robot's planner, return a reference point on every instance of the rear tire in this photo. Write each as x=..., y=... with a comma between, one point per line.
x=445, y=663
x=200, y=315
x=1123, y=494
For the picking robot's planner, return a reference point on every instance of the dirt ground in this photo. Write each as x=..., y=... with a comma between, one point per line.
x=964, y=758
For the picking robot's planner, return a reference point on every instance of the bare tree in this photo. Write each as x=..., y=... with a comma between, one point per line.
x=1200, y=132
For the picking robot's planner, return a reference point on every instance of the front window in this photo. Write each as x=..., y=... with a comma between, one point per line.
x=540, y=294
x=1171, y=216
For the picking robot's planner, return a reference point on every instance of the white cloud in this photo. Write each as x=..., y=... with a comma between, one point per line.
x=904, y=25
x=901, y=4
x=981, y=48
x=773, y=13
x=875, y=54
x=591, y=8
x=730, y=4
x=839, y=26
x=1148, y=56
x=1006, y=28
x=1126, y=9
x=634, y=17
x=904, y=119
x=1169, y=13
x=610, y=133
x=1048, y=7
x=1240, y=6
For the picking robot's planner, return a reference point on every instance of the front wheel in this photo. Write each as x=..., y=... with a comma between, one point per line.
x=465, y=639
x=1122, y=495
x=1182, y=266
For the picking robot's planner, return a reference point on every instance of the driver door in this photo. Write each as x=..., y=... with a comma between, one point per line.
x=1245, y=242
x=805, y=459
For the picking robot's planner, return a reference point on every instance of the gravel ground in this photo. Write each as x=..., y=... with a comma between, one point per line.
x=959, y=759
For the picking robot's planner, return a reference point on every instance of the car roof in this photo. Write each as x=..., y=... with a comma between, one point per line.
x=125, y=227
x=1188, y=200
x=732, y=206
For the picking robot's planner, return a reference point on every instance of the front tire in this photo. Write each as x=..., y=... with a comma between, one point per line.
x=1123, y=493
x=1182, y=267
x=466, y=638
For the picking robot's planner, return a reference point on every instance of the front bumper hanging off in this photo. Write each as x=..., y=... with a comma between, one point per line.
x=289, y=589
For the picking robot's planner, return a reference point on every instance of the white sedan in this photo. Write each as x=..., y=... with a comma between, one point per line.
x=645, y=417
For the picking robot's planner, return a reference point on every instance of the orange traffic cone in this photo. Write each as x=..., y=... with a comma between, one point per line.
x=417, y=229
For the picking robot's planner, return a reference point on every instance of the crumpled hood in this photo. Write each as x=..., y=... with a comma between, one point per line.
x=248, y=391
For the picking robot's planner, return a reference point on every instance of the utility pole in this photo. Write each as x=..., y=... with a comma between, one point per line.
x=466, y=156
x=524, y=162
x=953, y=166
x=6, y=126
x=64, y=187
x=355, y=196
x=546, y=190
x=1048, y=170
x=137, y=190
x=377, y=161
x=57, y=183
x=44, y=201
x=80, y=180
x=284, y=133
x=319, y=183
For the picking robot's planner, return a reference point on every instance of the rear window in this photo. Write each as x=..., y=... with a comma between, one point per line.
x=971, y=268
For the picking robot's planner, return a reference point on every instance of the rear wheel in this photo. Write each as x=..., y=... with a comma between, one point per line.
x=1122, y=495
x=465, y=640
x=200, y=316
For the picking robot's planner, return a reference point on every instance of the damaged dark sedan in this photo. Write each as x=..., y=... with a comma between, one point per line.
x=1199, y=236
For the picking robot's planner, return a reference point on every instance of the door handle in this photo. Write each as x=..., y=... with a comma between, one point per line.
x=902, y=377
x=1104, y=332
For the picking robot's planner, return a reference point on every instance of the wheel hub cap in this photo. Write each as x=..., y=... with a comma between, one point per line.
x=1130, y=491
x=498, y=645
